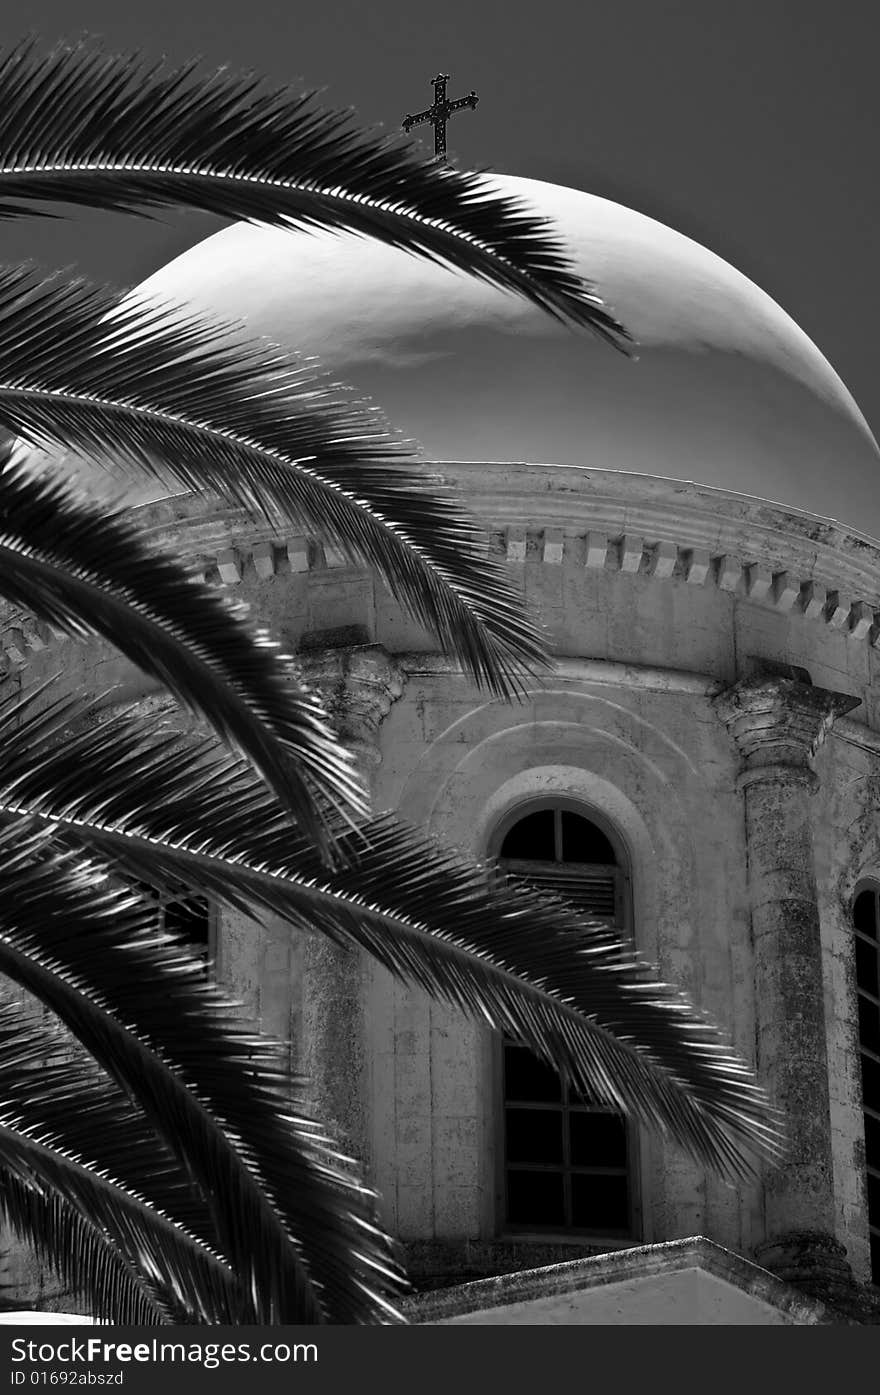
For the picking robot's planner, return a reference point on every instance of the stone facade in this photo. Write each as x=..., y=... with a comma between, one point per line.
x=716, y=702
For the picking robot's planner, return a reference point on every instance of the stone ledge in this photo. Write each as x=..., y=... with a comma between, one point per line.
x=438, y=1265
x=641, y=1262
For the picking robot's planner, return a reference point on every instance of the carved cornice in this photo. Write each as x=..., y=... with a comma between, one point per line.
x=660, y=530
x=778, y=725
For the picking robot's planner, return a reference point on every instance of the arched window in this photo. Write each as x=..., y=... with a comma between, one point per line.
x=566, y=1165
x=866, y=919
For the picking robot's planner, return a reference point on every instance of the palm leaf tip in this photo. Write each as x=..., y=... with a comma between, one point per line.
x=90, y=128
x=88, y=570
x=178, y=399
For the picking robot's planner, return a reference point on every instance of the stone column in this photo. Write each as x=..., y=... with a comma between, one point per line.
x=358, y=685
x=778, y=724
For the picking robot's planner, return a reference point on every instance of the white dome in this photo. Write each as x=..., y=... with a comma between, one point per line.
x=727, y=390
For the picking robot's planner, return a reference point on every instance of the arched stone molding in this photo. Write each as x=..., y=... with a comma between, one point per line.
x=615, y=758
x=598, y=795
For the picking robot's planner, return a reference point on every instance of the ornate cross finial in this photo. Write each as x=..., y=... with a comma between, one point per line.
x=439, y=113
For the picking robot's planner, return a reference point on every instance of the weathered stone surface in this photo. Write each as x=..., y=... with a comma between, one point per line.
x=358, y=685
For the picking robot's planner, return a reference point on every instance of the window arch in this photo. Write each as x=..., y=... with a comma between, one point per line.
x=561, y=847
x=565, y=1160
x=866, y=922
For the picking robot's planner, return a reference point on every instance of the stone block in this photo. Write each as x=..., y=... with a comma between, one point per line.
x=298, y=554
x=664, y=560
x=553, y=546
x=14, y=646
x=758, y=582
x=631, y=550
x=334, y=556
x=516, y=544
x=814, y=598
x=861, y=618
x=229, y=566
x=696, y=567
x=729, y=572
x=786, y=589
x=264, y=560
x=596, y=550
x=837, y=610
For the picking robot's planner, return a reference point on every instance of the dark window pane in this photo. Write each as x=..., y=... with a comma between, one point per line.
x=873, y=1200
x=867, y=964
x=582, y=841
x=865, y=913
x=870, y=1083
x=532, y=838
x=872, y=1140
x=599, y=1203
x=875, y=1259
x=528, y=1079
x=869, y=1025
x=597, y=1140
x=190, y=920
x=535, y=1198
x=534, y=1136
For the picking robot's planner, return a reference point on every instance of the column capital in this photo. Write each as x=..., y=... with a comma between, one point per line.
x=358, y=684
x=778, y=725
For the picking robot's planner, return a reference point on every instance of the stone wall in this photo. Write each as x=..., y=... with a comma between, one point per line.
x=656, y=602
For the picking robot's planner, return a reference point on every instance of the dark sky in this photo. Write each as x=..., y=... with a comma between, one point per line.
x=750, y=125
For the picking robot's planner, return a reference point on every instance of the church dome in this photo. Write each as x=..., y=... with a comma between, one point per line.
x=727, y=391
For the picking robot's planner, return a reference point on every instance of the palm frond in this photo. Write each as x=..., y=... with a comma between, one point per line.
x=298, y=1232
x=528, y=965
x=182, y=401
x=201, y=1284
x=87, y=570
x=83, y=126
x=86, y=1262
x=97, y=1231
x=54, y=1090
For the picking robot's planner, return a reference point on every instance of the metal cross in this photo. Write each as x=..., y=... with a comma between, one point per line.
x=439, y=113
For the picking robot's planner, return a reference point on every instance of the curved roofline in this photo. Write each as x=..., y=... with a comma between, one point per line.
x=574, y=502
